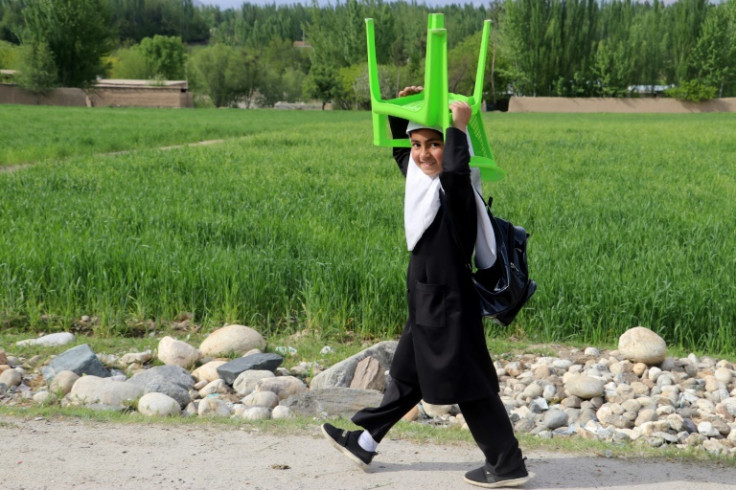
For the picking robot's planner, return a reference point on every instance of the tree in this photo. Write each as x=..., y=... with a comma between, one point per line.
x=76, y=33
x=712, y=57
x=164, y=56
x=225, y=74
x=322, y=83
x=37, y=72
x=11, y=20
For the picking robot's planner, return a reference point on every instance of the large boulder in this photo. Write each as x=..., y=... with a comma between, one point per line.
x=331, y=402
x=158, y=404
x=260, y=361
x=63, y=382
x=639, y=344
x=232, y=339
x=173, y=381
x=208, y=372
x=282, y=386
x=103, y=393
x=177, y=353
x=246, y=381
x=584, y=387
x=341, y=374
x=80, y=359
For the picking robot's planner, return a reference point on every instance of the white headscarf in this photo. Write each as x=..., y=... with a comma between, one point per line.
x=422, y=201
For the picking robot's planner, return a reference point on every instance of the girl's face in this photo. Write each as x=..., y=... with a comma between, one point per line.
x=427, y=147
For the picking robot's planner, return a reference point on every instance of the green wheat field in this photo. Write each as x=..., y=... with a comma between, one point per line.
x=295, y=221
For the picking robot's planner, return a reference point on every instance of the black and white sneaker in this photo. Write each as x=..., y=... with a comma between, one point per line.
x=347, y=443
x=483, y=477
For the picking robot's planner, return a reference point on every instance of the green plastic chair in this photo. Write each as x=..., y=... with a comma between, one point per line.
x=430, y=107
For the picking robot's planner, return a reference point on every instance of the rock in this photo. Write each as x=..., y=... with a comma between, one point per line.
x=246, y=381
x=525, y=425
x=369, y=375
x=267, y=399
x=538, y=405
x=542, y=372
x=217, y=386
x=654, y=373
x=592, y=351
x=639, y=344
x=571, y=401
x=256, y=413
x=721, y=426
x=42, y=396
x=283, y=386
x=79, y=359
x=63, y=381
x=513, y=369
x=332, y=402
x=723, y=375
x=281, y=412
x=436, y=410
x=213, y=407
x=341, y=374
x=136, y=358
x=554, y=418
x=550, y=392
x=3, y=358
x=713, y=447
x=171, y=380
x=50, y=340
x=584, y=387
x=208, y=371
x=676, y=422
x=613, y=414
x=103, y=393
x=645, y=415
x=534, y=390
x=306, y=369
x=706, y=429
x=260, y=361
x=174, y=352
x=11, y=378
x=639, y=369
x=729, y=405
x=232, y=339
x=158, y=405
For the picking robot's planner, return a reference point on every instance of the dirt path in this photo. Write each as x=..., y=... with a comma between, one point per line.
x=41, y=454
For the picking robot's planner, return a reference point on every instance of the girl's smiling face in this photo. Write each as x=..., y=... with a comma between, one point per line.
x=427, y=148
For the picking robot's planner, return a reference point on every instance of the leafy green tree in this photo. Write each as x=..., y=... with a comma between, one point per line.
x=129, y=62
x=37, y=72
x=322, y=84
x=683, y=21
x=164, y=56
x=9, y=55
x=712, y=61
x=138, y=19
x=692, y=91
x=76, y=33
x=11, y=20
x=227, y=75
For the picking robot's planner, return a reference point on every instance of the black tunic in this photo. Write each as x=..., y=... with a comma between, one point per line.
x=442, y=346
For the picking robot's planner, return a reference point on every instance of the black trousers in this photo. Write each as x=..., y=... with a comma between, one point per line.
x=487, y=419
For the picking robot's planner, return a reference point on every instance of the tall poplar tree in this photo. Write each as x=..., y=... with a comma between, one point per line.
x=77, y=33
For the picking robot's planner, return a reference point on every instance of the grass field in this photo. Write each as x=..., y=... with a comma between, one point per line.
x=295, y=222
